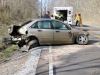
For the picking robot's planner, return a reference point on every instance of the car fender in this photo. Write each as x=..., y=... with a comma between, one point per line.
x=32, y=37
x=84, y=32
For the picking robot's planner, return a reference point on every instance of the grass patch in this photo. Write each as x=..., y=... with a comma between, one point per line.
x=6, y=53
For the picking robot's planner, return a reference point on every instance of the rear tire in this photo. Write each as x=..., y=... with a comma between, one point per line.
x=33, y=43
x=82, y=39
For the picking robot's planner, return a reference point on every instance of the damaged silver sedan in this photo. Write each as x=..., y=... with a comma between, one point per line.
x=47, y=32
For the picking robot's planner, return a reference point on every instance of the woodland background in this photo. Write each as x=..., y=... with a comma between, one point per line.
x=13, y=10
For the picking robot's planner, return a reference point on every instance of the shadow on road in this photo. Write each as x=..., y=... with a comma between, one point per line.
x=91, y=42
x=83, y=62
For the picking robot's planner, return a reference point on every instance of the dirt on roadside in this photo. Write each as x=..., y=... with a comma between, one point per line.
x=13, y=63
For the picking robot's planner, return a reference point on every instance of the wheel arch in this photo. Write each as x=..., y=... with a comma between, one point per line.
x=32, y=37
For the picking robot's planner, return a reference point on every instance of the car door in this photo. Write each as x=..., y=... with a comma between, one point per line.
x=62, y=33
x=42, y=30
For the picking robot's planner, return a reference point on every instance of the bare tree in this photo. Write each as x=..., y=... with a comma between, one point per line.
x=18, y=9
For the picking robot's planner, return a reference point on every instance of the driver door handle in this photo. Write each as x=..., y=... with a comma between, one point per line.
x=57, y=31
x=39, y=30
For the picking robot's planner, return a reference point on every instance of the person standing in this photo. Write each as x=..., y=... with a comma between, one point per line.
x=74, y=17
x=47, y=15
x=52, y=17
x=78, y=20
x=59, y=16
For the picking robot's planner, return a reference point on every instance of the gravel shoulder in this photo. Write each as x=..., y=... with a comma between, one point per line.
x=13, y=63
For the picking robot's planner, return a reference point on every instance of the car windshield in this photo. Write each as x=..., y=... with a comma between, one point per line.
x=26, y=23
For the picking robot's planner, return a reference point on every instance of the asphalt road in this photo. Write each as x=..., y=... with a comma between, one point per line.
x=72, y=59
x=58, y=59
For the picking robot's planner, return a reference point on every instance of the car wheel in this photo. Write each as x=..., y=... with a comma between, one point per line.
x=33, y=43
x=82, y=39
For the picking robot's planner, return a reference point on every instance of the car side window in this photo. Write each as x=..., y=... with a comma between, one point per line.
x=59, y=25
x=34, y=25
x=42, y=25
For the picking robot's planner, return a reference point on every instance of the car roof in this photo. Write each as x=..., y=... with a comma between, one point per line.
x=39, y=19
x=34, y=20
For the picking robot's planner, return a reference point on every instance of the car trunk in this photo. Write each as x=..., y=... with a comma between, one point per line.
x=13, y=30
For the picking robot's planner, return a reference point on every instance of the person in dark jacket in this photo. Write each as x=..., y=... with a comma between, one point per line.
x=47, y=15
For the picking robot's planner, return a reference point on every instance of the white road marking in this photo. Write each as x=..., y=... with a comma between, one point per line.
x=29, y=68
x=50, y=61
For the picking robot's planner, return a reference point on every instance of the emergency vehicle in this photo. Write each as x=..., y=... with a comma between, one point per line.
x=67, y=13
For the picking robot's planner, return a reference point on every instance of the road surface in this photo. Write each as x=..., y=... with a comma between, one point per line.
x=72, y=59
x=58, y=59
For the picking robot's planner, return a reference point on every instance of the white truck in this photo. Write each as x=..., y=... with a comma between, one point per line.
x=67, y=13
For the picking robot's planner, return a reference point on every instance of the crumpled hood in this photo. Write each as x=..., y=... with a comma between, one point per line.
x=82, y=28
x=80, y=31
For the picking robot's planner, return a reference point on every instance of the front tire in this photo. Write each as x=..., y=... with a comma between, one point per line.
x=82, y=39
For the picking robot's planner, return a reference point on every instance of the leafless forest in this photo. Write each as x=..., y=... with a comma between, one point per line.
x=17, y=10
x=24, y=9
